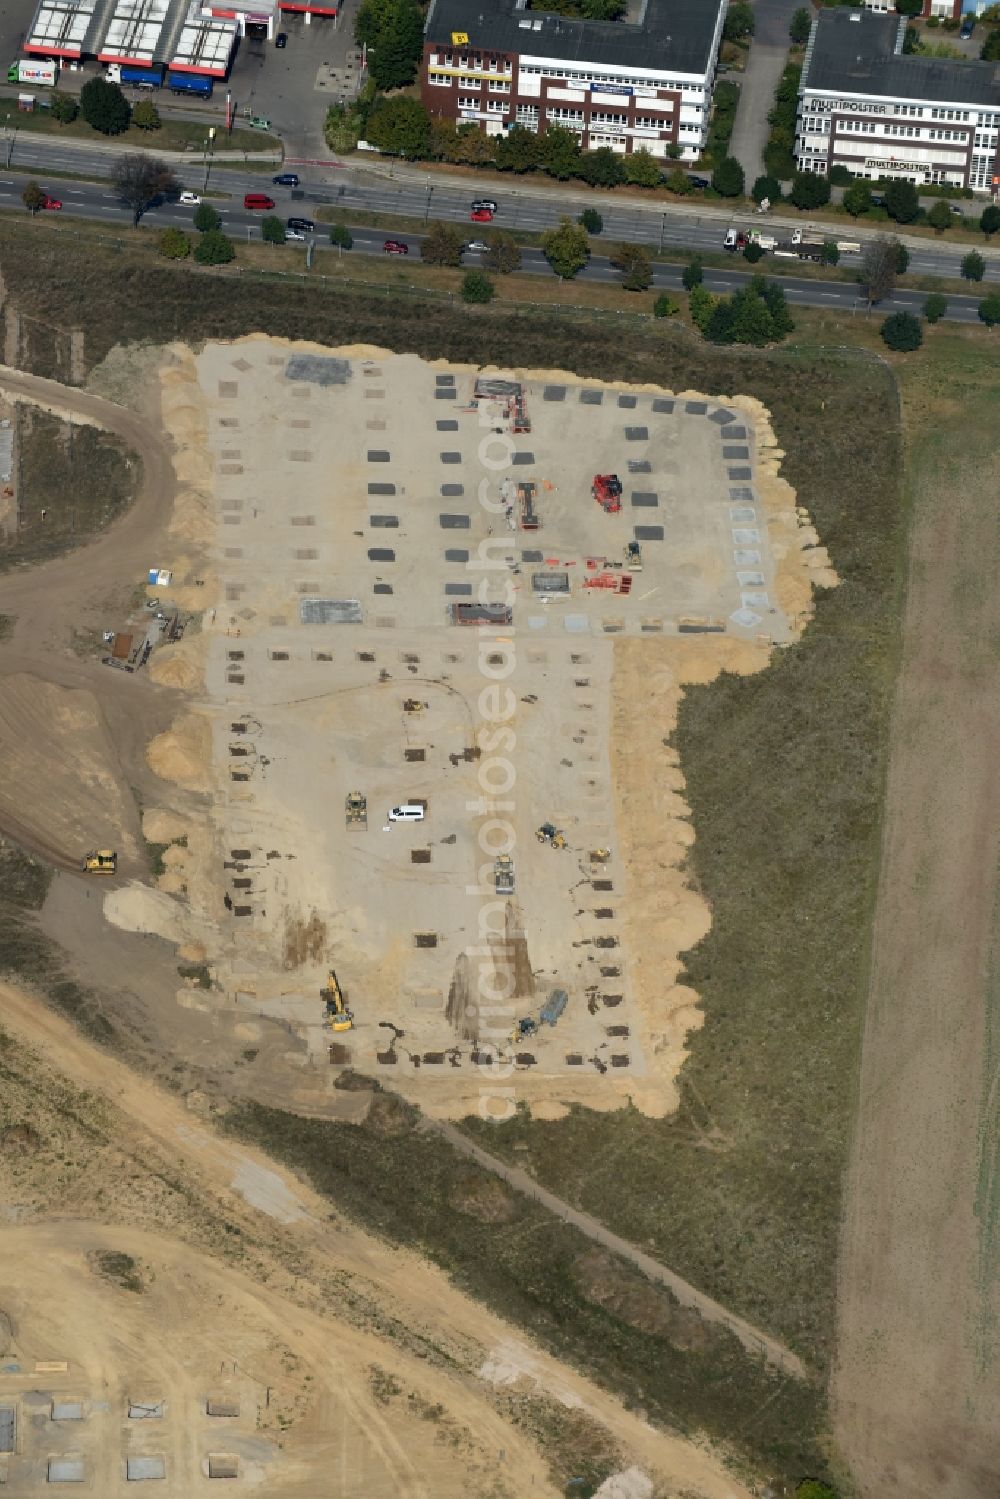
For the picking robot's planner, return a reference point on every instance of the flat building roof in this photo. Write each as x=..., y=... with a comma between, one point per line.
x=855, y=53
x=59, y=27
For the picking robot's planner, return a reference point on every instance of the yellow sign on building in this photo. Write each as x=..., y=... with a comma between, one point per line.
x=460, y=39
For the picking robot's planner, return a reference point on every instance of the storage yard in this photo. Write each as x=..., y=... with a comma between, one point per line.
x=475, y=596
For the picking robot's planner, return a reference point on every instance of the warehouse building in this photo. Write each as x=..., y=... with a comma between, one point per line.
x=177, y=34
x=645, y=84
x=865, y=106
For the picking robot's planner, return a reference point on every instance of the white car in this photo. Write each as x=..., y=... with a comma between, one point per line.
x=191, y=199
x=292, y=234
x=479, y=246
x=408, y=812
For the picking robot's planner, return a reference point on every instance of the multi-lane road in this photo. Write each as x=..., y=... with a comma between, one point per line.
x=409, y=201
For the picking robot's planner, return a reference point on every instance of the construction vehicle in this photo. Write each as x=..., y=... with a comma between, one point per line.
x=633, y=557
x=356, y=812
x=549, y=833
x=100, y=861
x=526, y=1026
x=337, y=1017
x=503, y=874
x=553, y=1007
x=526, y=503
x=607, y=491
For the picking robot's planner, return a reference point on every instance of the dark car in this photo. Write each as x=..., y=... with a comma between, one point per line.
x=395, y=247
x=878, y=200
x=484, y=205
x=968, y=27
x=698, y=181
x=305, y=225
x=281, y=40
x=286, y=179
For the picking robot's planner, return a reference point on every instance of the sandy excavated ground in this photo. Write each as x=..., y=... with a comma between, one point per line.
x=292, y=492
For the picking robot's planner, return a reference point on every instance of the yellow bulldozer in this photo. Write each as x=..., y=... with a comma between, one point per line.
x=100, y=861
x=550, y=834
x=337, y=1017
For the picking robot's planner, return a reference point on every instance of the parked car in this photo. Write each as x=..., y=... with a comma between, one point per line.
x=52, y=203
x=477, y=246
x=698, y=181
x=281, y=40
x=257, y=202
x=395, y=247
x=294, y=234
x=489, y=204
x=878, y=200
x=967, y=28
x=190, y=199
x=306, y=225
x=259, y=122
x=286, y=179
x=482, y=215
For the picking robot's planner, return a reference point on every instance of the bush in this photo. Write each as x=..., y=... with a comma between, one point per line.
x=679, y=182
x=272, y=230
x=902, y=258
x=591, y=221
x=858, y=198
x=839, y=176
x=831, y=253
x=935, y=307
x=104, y=106
x=902, y=332
x=702, y=305
x=727, y=179
x=973, y=266
x=341, y=236
x=989, y=220
x=809, y=190
x=63, y=108
x=766, y=187
x=739, y=22
x=206, y=219
x=989, y=309
x=693, y=274
x=800, y=26
x=901, y=200
x=477, y=287
x=602, y=168
x=752, y=252
x=214, y=248
x=146, y=115
x=778, y=158
x=174, y=244
x=665, y=306
x=642, y=169
x=940, y=216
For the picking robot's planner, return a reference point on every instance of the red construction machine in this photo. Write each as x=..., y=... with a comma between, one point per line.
x=607, y=491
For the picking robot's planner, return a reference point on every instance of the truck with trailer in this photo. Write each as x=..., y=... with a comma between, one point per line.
x=37, y=70
x=131, y=76
x=190, y=83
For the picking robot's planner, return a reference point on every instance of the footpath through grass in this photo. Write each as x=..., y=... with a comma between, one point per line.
x=740, y=1191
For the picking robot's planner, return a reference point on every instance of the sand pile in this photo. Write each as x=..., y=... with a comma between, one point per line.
x=161, y=826
x=136, y=908
x=184, y=753
x=179, y=666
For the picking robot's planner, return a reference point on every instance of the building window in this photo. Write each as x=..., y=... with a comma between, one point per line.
x=468, y=101
x=498, y=86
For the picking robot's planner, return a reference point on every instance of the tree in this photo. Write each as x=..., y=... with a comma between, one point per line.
x=63, y=107
x=902, y=258
x=665, y=306
x=592, y=221
x=940, y=216
x=831, y=254
x=858, y=198
x=214, y=248
x=809, y=190
x=739, y=22
x=602, y=168
x=973, y=266
x=206, y=219
x=800, y=26
x=104, y=106
x=342, y=129
x=636, y=266
x=32, y=197
x=394, y=33
x=341, y=236
x=909, y=8
x=752, y=252
x=839, y=175
x=146, y=115
x=174, y=244
x=989, y=309
x=442, y=245
x=692, y=274
x=990, y=51
x=902, y=332
x=477, y=287
x=701, y=304
x=401, y=126
x=504, y=253
x=901, y=200
x=140, y=181
x=642, y=169
x=989, y=220
x=566, y=248
x=766, y=187
x=727, y=179
x=878, y=269
x=272, y=229
x=935, y=307
x=520, y=150
x=561, y=155
x=679, y=182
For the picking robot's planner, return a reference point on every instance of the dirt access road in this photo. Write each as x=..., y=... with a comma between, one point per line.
x=917, y=1384
x=321, y=1246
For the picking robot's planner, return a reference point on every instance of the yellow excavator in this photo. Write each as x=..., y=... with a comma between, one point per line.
x=338, y=1017
x=100, y=861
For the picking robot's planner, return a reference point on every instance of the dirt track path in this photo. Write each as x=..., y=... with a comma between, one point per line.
x=917, y=1383
x=751, y=1337
x=235, y=1174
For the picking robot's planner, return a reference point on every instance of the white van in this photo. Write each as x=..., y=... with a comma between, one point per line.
x=408, y=812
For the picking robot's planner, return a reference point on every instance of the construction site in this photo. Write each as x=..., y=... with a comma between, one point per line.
x=445, y=617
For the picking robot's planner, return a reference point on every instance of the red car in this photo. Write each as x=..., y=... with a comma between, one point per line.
x=53, y=203
x=482, y=215
x=395, y=247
